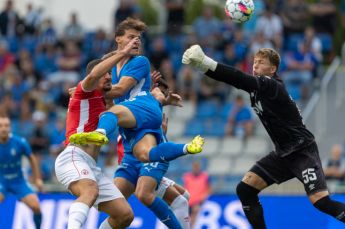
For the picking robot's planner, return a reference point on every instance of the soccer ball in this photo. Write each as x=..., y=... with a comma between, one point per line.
x=239, y=10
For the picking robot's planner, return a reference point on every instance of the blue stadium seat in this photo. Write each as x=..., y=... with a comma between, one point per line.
x=194, y=127
x=215, y=127
x=225, y=110
x=293, y=41
x=326, y=41
x=207, y=109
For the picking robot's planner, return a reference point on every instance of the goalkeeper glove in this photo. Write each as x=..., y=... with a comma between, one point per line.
x=197, y=58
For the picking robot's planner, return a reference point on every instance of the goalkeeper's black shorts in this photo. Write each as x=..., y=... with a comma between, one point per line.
x=304, y=164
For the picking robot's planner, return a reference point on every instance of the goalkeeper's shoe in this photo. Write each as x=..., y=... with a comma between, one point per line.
x=94, y=137
x=195, y=146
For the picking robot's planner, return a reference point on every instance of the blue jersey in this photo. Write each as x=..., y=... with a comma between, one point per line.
x=10, y=158
x=137, y=67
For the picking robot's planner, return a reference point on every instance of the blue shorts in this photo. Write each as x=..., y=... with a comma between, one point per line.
x=131, y=169
x=148, y=115
x=19, y=187
x=146, y=110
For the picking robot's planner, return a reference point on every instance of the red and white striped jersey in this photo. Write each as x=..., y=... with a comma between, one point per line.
x=120, y=150
x=83, y=112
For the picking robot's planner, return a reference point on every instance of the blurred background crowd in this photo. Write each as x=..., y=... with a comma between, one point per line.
x=39, y=62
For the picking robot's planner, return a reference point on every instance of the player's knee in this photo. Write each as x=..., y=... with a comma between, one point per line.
x=246, y=193
x=143, y=155
x=122, y=219
x=90, y=193
x=145, y=198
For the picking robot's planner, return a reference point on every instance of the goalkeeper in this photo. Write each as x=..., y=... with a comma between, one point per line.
x=296, y=153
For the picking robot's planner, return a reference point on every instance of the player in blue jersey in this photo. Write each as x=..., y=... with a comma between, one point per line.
x=137, y=112
x=146, y=179
x=12, y=148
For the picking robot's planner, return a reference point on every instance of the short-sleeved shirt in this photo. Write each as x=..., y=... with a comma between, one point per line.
x=10, y=158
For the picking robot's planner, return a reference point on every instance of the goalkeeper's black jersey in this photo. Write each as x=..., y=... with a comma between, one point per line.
x=277, y=111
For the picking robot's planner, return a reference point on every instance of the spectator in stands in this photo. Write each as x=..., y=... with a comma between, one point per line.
x=188, y=83
x=74, y=30
x=334, y=168
x=324, y=16
x=32, y=19
x=314, y=43
x=295, y=17
x=158, y=52
x=259, y=41
x=100, y=44
x=47, y=34
x=167, y=70
x=69, y=64
x=207, y=27
x=46, y=60
x=6, y=58
x=127, y=8
x=197, y=183
x=10, y=23
x=241, y=121
x=301, y=65
x=271, y=26
x=175, y=12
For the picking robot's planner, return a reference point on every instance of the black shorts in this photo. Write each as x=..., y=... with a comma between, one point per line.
x=305, y=165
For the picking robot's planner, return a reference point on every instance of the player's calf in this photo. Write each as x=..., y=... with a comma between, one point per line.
x=252, y=208
x=331, y=207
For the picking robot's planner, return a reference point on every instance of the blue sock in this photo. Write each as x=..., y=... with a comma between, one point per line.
x=164, y=214
x=38, y=220
x=107, y=123
x=166, y=151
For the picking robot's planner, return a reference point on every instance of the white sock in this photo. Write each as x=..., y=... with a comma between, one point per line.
x=105, y=225
x=77, y=215
x=185, y=151
x=186, y=195
x=102, y=131
x=181, y=211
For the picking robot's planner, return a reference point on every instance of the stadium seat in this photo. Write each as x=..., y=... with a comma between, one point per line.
x=242, y=165
x=225, y=110
x=231, y=146
x=214, y=127
x=326, y=41
x=207, y=109
x=194, y=127
x=219, y=165
x=176, y=128
x=211, y=146
x=185, y=113
x=255, y=146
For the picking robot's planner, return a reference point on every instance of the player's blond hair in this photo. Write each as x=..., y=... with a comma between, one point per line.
x=272, y=55
x=130, y=23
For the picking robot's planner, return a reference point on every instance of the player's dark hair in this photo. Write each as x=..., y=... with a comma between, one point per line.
x=272, y=55
x=91, y=65
x=130, y=23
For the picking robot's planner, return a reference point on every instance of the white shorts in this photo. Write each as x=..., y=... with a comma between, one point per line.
x=163, y=186
x=74, y=164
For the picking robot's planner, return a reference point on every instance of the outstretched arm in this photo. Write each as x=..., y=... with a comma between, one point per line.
x=221, y=72
x=91, y=81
